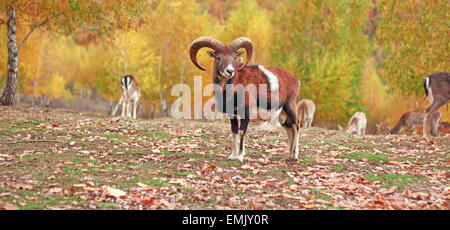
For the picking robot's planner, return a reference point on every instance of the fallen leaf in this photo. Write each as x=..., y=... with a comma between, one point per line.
x=117, y=193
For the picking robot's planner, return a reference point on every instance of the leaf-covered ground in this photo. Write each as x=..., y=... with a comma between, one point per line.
x=57, y=159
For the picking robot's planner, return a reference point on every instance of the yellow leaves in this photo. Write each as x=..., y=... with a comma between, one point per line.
x=412, y=37
x=56, y=87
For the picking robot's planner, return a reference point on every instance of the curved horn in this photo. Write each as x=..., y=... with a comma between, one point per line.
x=201, y=42
x=247, y=44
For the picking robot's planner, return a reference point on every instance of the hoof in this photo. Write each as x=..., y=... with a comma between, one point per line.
x=240, y=159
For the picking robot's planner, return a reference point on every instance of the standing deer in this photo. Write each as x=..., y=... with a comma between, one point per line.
x=306, y=110
x=437, y=90
x=410, y=120
x=131, y=93
x=229, y=75
x=357, y=124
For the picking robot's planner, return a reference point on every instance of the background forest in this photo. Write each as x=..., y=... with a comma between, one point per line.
x=350, y=55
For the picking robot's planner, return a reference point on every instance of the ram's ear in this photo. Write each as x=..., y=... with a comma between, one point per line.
x=211, y=54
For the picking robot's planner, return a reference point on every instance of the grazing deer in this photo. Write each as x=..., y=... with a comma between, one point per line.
x=131, y=93
x=437, y=89
x=306, y=110
x=444, y=128
x=383, y=128
x=357, y=124
x=410, y=120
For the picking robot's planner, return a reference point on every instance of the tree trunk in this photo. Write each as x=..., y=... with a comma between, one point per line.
x=13, y=61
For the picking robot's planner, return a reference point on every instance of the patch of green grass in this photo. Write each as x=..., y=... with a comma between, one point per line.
x=32, y=206
x=374, y=157
x=307, y=160
x=82, y=159
x=329, y=207
x=34, y=121
x=241, y=193
x=106, y=205
x=165, y=152
x=324, y=197
x=109, y=167
x=54, y=200
x=187, y=189
x=365, y=155
x=205, y=136
x=10, y=199
x=4, y=189
x=139, y=151
x=29, y=157
x=338, y=167
x=244, y=174
x=400, y=181
x=277, y=158
x=183, y=200
x=113, y=137
x=184, y=140
x=183, y=174
x=157, y=182
x=5, y=132
x=103, y=205
x=161, y=135
x=26, y=192
x=73, y=170
x=258, y=152
x=443, y=168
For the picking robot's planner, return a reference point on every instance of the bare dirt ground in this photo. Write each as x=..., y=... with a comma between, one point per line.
x=58, y=159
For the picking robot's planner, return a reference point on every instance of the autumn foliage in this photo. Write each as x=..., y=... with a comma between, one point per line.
x=350, y=56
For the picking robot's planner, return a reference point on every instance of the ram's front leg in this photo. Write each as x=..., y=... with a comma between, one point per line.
x=242, y=131
x=235, y=145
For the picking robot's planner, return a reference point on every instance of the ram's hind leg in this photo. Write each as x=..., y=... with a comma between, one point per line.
x=290, y=134
x=292, y=127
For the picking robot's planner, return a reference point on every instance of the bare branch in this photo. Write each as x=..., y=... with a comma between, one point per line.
x=34, y=27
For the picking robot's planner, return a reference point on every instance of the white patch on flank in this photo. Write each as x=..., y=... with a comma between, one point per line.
x=273, y=121
x=430, y=92
x=272, y=78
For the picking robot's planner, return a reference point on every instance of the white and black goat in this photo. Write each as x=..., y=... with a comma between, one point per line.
x=231, y=77
x=131, y=92
x=437, y=89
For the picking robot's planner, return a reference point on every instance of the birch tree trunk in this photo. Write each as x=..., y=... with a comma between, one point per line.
x=13, y=59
